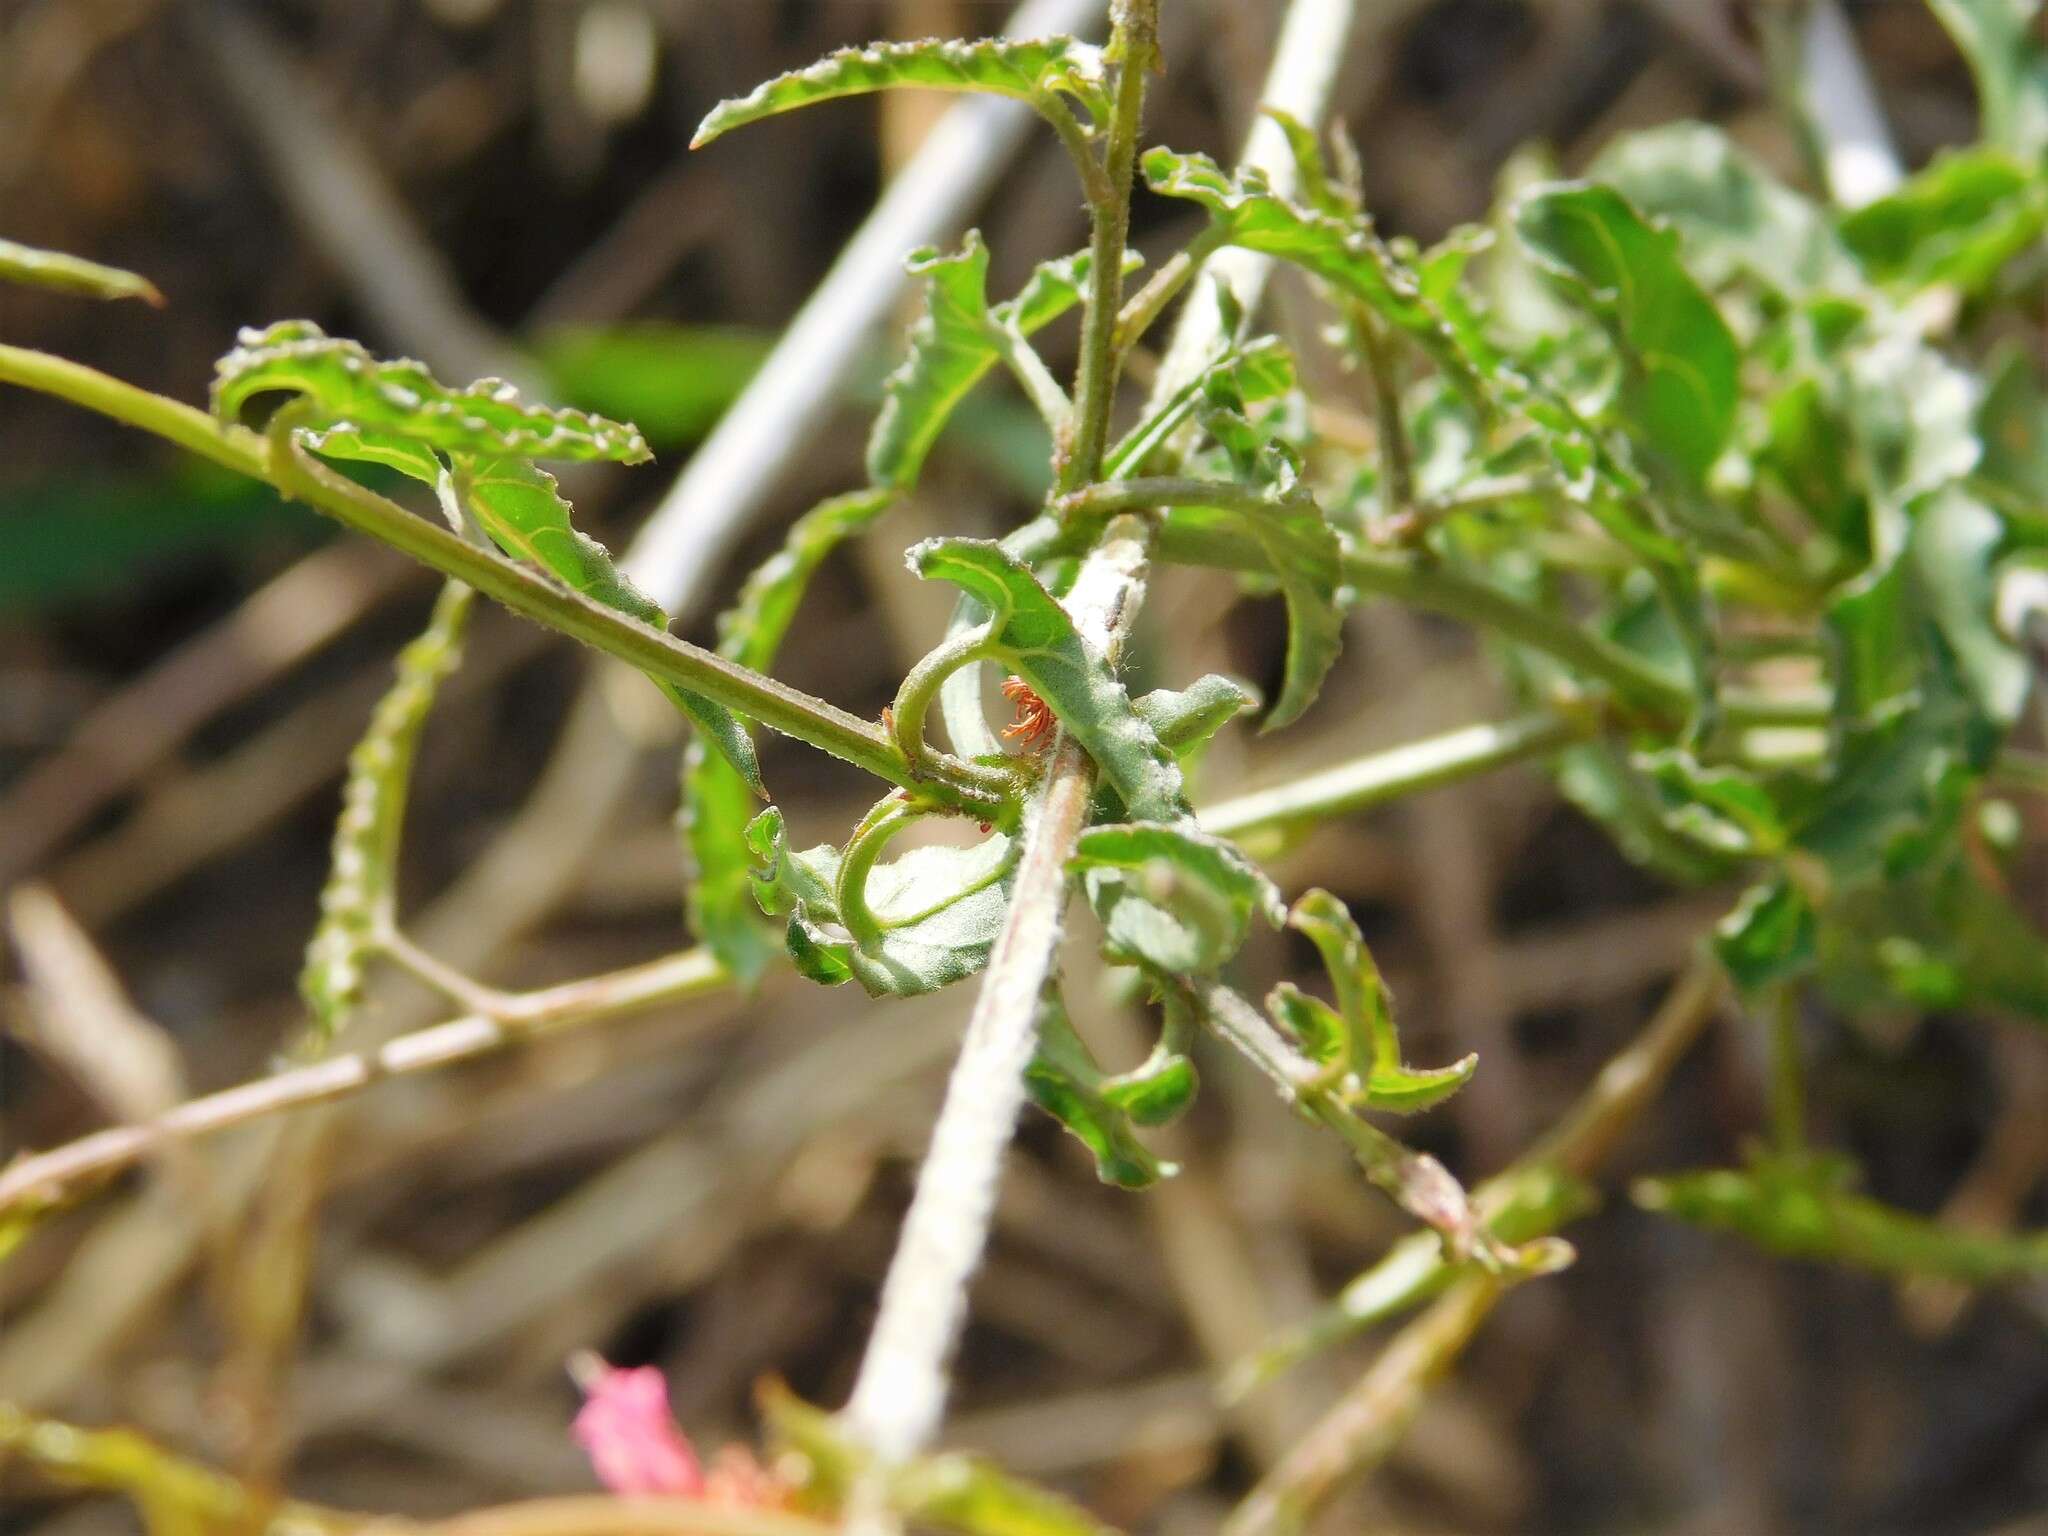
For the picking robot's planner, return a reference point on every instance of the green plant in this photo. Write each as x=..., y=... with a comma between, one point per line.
x=1729, y=478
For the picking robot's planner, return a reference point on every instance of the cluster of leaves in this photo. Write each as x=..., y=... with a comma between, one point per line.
x=1727, y=434
x=1733, y=474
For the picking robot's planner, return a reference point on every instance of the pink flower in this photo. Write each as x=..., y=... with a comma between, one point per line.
x=627, y=1430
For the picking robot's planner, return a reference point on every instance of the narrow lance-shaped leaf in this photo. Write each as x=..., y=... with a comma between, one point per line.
x=345, y=386
x=54, y=270
x=716, y=801
x=356, y=907
x=1032, y=70
x=1357, y=1043
x=954, y=343
x=1171, y=896
x=1679, y=383
x=1036, y=638
x=521, y=509
x=1344, y=253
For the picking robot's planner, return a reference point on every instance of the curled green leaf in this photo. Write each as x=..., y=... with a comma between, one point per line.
x=1037, y=640
x=1065, y=1081
x=934, y=913
x=344, y=386
x=1033, y=71
x=1170, y=895
x=1356, y=1043
x=717, y=802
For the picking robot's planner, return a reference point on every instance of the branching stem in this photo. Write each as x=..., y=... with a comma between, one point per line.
x=946, y=782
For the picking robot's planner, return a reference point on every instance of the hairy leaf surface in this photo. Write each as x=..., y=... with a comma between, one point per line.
x=346, y=387
x=1037, y=640
x=1030, y=71
x=1171, y=896
x=939, y=910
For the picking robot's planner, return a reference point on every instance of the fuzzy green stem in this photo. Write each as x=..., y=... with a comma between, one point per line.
x=1397, y=473
x=1135, y=44
x=921, y=685
x=1145, y=306
x=858, y=862
x=946, y=783
x=1408, y=769
x=1787, y=1068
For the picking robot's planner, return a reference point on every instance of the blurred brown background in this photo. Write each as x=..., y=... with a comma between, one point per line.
x=503, y=186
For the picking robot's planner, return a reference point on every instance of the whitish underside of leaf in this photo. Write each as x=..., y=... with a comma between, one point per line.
x=1171, y=896
x=938, y=910
x=1029, y=70
x=33, y=268
x=356, y=904
x=344, y=386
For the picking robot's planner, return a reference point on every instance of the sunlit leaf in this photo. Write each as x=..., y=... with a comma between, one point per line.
x=1678, y=388
x=1356, y=1042
x=938, y=909
x=1346, y=254
x=524, y=513
x=1732, y=216
x=957, y=339
x=1030, y=71
x=1170, y=895
x=1958, y=222
x=1065, y=1081
x=344, y=385
x=1037, y=640
x=1185, y=719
